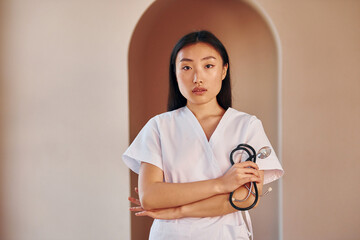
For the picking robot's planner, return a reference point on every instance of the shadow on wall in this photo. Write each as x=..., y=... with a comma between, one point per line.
x=253, y=60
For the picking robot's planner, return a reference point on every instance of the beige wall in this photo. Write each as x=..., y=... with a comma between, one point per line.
x=63, y=118
x=321, y=116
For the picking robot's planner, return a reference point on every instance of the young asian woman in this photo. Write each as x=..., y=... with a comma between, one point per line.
x=182, y=155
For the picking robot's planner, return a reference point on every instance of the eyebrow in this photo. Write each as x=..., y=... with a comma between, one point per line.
x=209, y=57
x=190, y=60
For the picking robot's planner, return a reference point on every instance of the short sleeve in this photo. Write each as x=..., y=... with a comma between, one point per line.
x=258, y=139
x=145, y=148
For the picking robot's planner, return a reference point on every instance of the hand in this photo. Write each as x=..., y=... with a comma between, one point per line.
x=166, y=213
x=238, y=175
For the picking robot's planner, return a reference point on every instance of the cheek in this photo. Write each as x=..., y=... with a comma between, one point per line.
x=183, y=78
x=183, y=88
x=181, y=82
x=217, y=76
x=217, y=81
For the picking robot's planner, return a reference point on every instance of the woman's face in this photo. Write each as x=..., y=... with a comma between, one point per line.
x=199, y=73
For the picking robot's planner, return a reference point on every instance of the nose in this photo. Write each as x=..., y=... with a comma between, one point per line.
x=196, y=79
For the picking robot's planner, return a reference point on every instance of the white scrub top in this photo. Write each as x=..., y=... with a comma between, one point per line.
x=176, y=143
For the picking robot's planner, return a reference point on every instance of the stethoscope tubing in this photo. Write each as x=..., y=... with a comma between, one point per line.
x=252, y=157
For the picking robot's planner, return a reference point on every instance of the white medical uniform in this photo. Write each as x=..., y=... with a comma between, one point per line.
x=176, y=143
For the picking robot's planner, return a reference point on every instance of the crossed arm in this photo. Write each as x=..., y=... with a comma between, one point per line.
x=195, y=199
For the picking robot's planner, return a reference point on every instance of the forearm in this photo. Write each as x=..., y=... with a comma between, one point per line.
x=167, y=195
x=156, y=194
x=217, y=205
x=211, y=207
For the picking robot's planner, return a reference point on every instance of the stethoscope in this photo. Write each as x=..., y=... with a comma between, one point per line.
x=263, y=153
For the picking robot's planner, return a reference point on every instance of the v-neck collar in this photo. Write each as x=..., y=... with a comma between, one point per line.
x=200, y=130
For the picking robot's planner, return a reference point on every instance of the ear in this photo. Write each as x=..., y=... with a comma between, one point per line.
x=224, y=71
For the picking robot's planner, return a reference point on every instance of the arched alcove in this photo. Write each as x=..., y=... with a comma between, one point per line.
x=254, y=61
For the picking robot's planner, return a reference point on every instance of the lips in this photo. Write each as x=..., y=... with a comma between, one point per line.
x=199, y=90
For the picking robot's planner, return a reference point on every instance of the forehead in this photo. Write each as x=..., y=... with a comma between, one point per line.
x=197, y=51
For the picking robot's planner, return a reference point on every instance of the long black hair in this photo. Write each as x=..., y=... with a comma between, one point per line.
x=176, y=99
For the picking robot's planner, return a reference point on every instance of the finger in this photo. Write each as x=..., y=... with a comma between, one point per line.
x=134, y=200
x=259, y=180
x=249, y=178
x=136, y=209
x=256, y=180
x=248, y=164
x=241, y=171
x=261, y=172
x=252, y=171
x=142, y=214
x=136, y=190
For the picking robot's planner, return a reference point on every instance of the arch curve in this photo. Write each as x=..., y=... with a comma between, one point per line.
x=254, y=50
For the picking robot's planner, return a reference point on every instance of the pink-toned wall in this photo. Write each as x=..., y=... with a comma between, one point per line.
x=254, y=62
x=319, y=112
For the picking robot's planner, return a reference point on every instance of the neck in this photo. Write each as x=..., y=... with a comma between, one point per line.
x=204, y=110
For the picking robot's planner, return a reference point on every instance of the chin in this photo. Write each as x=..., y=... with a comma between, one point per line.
x=198, y=102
